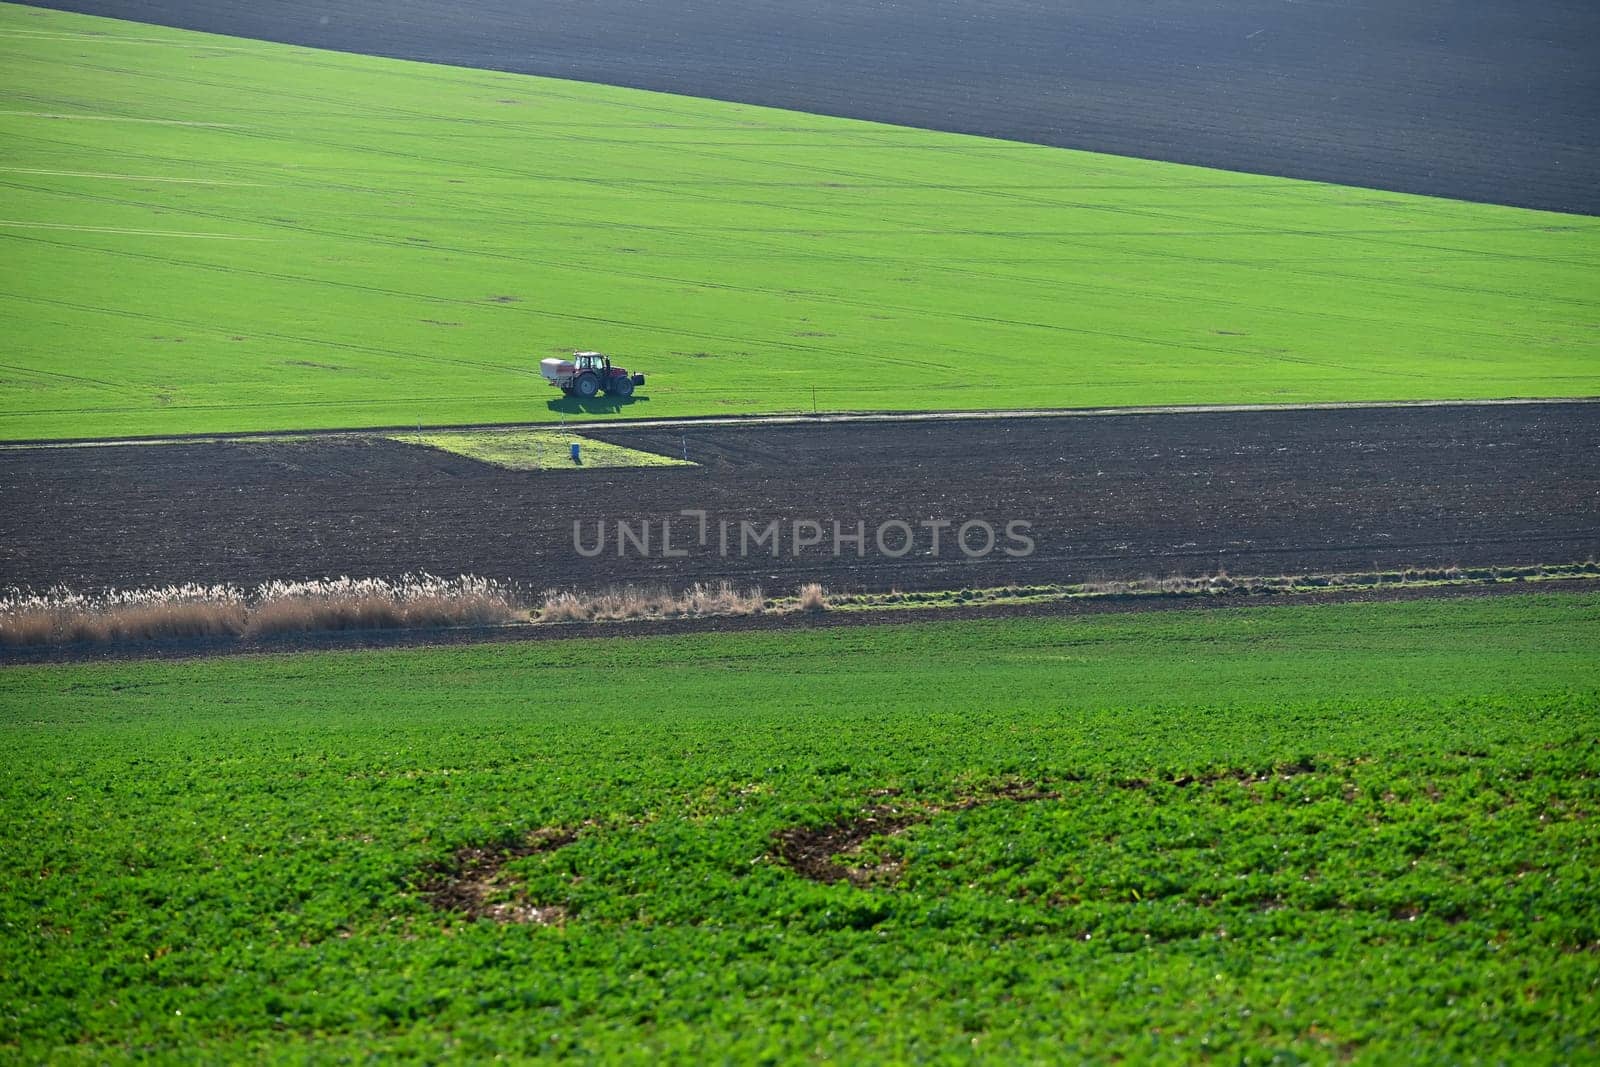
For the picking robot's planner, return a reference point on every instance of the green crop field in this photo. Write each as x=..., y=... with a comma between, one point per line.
x=1296, y=832
x=205, y=234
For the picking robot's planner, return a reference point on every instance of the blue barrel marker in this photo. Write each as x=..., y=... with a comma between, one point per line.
x=575, y=458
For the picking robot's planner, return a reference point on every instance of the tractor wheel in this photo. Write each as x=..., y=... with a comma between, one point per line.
x=586, y=386
x=622, y=386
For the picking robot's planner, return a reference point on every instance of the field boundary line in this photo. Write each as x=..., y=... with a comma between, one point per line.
x=64, y=36
x=17, y=224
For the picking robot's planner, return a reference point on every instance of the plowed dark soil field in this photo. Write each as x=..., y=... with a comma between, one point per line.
x=1127, y=496
x=1483, y=100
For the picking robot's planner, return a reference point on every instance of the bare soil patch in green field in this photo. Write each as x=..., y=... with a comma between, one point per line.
x=537, y=450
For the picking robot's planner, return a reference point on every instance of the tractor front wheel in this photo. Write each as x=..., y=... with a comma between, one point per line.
x=586, y=386
x=622, y=386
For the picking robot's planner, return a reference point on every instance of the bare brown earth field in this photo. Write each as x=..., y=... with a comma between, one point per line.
x=1478, y=100
x=1115, y=497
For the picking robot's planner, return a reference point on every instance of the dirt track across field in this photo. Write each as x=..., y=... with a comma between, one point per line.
x=1488, y=100
x=1124, y=497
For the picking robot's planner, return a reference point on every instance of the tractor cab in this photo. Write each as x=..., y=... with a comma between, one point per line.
x=591, y=361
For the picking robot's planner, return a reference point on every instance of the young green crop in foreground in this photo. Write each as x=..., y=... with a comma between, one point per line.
x=205, y=234
x=1310, y=832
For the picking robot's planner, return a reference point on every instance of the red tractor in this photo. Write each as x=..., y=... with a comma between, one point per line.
x=588, y=373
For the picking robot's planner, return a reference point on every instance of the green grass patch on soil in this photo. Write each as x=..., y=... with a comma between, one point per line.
x=529, y=450
x=1362, y=829
x=204, y=234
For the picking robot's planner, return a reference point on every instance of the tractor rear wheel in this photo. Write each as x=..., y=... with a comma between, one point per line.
x=622, y=386
x=586, y=385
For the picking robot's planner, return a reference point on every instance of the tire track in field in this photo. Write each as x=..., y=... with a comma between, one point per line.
x=520, y=372
x=60, y=374
x=822, y=298
x=115, y=118
x=512, y=126
x=767, y=342
x=1165, y=216
x=1136, y=339
x=18, y=224
x=210, y=327
x=773, y=342
x=854, y=354
x=833, y=171
x=120, y=177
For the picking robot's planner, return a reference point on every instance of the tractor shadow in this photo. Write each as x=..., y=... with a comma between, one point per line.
x=599, y=404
